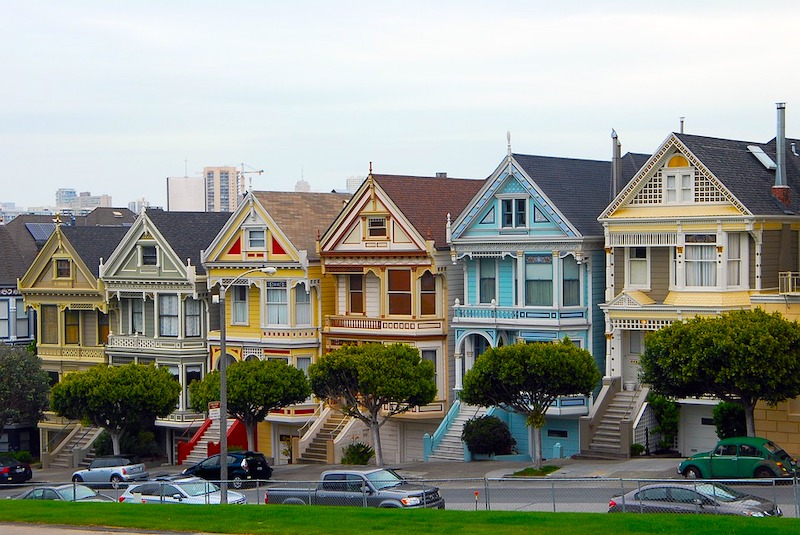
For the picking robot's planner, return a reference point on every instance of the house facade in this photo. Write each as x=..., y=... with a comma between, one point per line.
x=158, y=299
x=534, y=271
x=266, y=259
x=707, y=225
x=392, y=277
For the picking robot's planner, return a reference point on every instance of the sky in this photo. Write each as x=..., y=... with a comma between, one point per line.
x=113, y=97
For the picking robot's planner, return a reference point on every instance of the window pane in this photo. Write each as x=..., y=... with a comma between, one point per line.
x=521, y=213
x=256, y=239
x=400, y=303
x=399, y=291
x=239, y=310
x=487, y=280
x=137, y=316
x=277, y=309
x=72, y=320
x=508, y=213
x=399, y=280
x=192, y=317
x=49, y=324
x=571, y=282
x=63, y=268
x=149, y=255
x=701, y=265
x=302, y=306
x=168, y=315
x=539, y=280
x=102, y=328
x=356, y=284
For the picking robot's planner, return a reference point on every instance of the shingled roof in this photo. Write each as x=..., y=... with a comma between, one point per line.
x=301, y=215
x=106, y=216
x=19, y=247
x=93, y=243
x=580, y=189
x=189, y=233
x=747, y=178
x=426, y=201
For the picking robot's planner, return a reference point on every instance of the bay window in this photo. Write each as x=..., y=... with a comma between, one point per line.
x=399, y=291
x=539, y=280
x=239, y=309
x=168, y=315
x=277, y=304
x=191, y=318
x=355, y=289
x=571, y=281
x=638, y=272
x=427, y=291
x=487, y=288
x=302, y=306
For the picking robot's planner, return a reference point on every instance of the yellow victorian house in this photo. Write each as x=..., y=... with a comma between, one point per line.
x=62, y=285
x=706, y=226
x=266, y=260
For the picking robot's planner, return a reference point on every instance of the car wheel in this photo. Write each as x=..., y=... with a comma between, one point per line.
x=237, y=482
x=764, y=472
x=692, y=473
x=77, y=479
x=115, y=480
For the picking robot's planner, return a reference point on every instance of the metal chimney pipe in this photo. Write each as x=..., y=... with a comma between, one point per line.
x=780, y=141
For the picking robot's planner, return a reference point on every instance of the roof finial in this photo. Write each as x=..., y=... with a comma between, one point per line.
x=370, y=167
x=508, y=138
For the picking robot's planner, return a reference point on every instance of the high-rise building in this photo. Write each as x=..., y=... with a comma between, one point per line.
x=65, y=196
x=222, y=188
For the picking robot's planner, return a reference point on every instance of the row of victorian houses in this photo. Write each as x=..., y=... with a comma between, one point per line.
x=544, y=248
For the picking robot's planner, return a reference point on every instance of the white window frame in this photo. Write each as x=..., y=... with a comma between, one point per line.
x=438, y=376
x=256, y=243
x=169, y=315
x=690, y=264
x=630, y=260
x=276, y=312
x=518, y=212
x=682, y=190
x=302, y=305
x=192, y=322
x=480, y=279
x=240, y=308
x=737, y=264
x=563, y=280
x=378, y=220
x=141, y=255
x=134, y=314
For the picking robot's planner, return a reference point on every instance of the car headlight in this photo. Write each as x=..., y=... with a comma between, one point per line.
x=410, y=501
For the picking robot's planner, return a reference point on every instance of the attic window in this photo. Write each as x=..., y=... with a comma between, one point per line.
x=256, y=239
x=376, y=227
x=63, y=269
x=149, y=255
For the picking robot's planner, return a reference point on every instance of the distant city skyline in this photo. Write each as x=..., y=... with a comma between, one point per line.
x=115, y=98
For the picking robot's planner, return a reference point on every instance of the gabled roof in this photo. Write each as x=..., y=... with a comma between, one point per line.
x=302, y=215
x=580, y=189
x=188, y=233
x=426, y=201
x=746, y=178
x=106, y=216
x=18, y=246
x=93, y=243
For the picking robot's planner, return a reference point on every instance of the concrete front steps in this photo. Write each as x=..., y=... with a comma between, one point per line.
x=605, y=443
x=317, y=450
x=451, y=448
x=200, y=453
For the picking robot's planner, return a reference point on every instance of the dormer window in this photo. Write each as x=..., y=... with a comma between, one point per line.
x=376, y=227
x=256, y=239
x=514, y=213
x=63, y=269
x=149, y=255
x=678, y=181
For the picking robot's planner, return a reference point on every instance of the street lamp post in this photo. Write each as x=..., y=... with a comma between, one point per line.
x=223, y=383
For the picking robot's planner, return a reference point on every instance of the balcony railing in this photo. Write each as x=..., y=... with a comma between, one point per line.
x=125, y=341
x=494, y=314
x=412, y=327
x=71, y=352
x=789, y=282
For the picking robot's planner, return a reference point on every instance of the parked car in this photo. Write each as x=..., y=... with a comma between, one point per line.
x=14, y=471
x=242, y=466
x=375, y=487
x=68, y=492
x=694, y=498
x=740, y=457
x=113, y=469
x=190, y=490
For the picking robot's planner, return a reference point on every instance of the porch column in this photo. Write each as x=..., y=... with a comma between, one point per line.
x=459, y=372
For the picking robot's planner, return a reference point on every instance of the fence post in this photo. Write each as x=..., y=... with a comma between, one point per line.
x=622, y=492
x=486, y=500
x=553, y=492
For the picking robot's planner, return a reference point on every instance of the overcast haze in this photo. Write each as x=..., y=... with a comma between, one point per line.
x=113, y=97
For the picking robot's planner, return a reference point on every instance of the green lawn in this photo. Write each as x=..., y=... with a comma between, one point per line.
x=286, y=520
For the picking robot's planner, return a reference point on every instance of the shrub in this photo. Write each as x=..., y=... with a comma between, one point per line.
x=357, y=453
x=142, y=444
x=668, y=415
x=22, y=456
x=488, y=435
x=729, y=420
x=636, y=449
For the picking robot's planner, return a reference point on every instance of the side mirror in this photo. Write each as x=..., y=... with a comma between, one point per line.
x=178, y=497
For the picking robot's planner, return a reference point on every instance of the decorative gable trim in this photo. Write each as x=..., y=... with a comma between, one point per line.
x=647, y=185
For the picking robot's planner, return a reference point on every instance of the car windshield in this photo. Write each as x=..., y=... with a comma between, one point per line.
x=719, y=492
x=199, y=488
x=76, y=492
x=777, y=452
x=382, y=479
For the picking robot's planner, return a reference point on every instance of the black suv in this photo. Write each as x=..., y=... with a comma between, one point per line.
x=242, y=466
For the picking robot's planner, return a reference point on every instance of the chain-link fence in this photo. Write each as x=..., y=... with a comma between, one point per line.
x=756, y=497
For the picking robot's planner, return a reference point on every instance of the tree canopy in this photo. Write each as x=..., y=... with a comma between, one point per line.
x=374, y=382
x=742, y=357
x=255, y=387
x=528, y=378
x=117, y=398
x=24, y=386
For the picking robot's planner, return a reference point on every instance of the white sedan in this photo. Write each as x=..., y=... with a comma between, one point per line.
x=191, y=490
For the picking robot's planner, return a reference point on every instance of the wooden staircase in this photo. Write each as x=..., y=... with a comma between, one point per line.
x=451, y=448
x=82, y=440
x=605, y=443
x=317, y=450
x=200, y=451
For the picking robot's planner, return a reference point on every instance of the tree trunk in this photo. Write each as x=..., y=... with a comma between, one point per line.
x=376, y=441
x=536, y=456
x=749, y=419
x=251, y=435
x=115, y=436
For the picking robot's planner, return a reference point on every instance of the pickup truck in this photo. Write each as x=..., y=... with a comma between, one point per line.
x=378, y=487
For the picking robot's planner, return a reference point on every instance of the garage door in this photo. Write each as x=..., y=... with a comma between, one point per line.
x=412, y=433
x=697, y=431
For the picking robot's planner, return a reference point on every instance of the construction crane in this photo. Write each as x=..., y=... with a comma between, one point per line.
x=249, y=171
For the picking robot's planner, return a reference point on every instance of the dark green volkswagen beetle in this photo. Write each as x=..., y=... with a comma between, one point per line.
x=740, y=457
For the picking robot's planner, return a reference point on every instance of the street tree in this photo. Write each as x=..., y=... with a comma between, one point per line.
x=255, y=387
x=24, y=386
x=374, y=382
x=528, y=378
x=118, y=398
x=741, y=357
